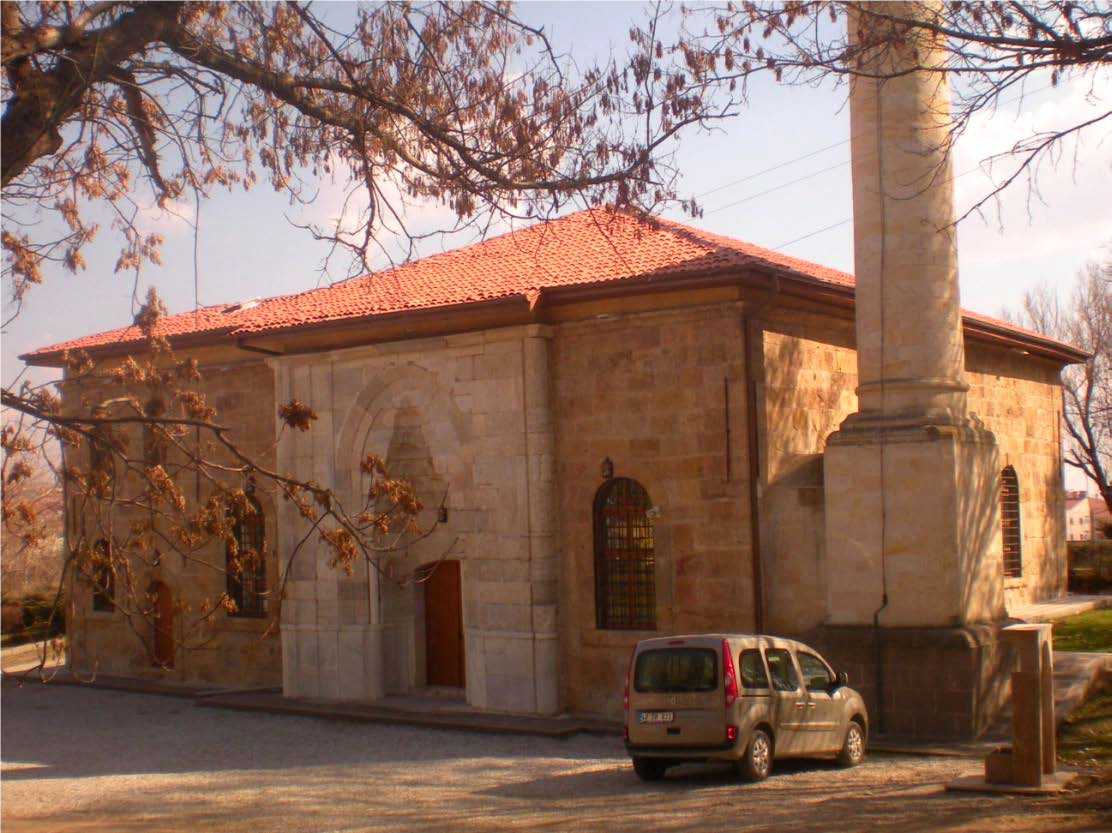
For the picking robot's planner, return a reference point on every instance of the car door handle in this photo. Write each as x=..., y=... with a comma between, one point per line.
x=801, y=705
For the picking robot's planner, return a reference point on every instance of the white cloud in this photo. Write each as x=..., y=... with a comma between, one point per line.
x=1063, y=207
x=339, y=201
x=174, y=219
x=1039, y=230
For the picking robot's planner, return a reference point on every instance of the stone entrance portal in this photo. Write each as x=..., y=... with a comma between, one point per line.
x=444, y=651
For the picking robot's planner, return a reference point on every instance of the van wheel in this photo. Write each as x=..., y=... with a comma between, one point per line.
x=853, y=750
x=649, y=769
x=757, y=763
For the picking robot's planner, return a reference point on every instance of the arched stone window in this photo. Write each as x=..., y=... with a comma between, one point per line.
x=245, y=562
x=625, y=560
x=1009, y=523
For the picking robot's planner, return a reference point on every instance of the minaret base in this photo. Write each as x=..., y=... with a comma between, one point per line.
x=912, y=523
x=923, y=683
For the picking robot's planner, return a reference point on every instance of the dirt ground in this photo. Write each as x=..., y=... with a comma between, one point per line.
x=79, y=759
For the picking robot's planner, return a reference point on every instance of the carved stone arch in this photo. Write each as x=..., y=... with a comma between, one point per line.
x=365, y=424
x=406, y=407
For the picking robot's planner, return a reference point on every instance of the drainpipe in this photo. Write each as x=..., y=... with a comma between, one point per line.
x=878, y=664
x=754, y=475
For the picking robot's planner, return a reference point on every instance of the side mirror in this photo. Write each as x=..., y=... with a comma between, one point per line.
x=841, y=681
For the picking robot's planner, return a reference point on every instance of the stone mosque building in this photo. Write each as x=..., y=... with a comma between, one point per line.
x=542, y=383
x=638, y=428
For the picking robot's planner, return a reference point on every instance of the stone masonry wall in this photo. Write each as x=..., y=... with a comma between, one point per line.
x=807, y=389
x=219, y=649
x=649, y=391
x=511, y=426
x=466, y=419
x=1020, y=401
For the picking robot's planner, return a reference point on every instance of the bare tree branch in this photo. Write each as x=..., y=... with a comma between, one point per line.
x=1085, y=320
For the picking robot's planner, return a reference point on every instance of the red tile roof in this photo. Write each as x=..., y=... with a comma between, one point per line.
x=588, y=247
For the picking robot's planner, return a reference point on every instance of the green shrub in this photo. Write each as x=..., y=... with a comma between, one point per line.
x=33, y=618
x=11, y=617
x=1090, y=566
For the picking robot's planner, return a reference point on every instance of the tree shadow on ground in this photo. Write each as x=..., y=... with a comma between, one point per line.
x=191, y=769
x=44, y=724
x=621, y=781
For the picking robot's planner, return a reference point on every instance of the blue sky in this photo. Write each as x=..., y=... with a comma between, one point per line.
x=246, y=248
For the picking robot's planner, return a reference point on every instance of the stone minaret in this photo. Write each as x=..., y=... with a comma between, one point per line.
x=912, y=534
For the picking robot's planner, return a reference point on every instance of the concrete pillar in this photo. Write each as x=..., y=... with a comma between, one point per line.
x=1033, y=754
x=540, y=461
x=912, y=534
x=1032, y=701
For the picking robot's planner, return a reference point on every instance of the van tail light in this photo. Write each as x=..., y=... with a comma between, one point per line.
x=729, y=678
x=625, y=697
x=625, y=732
x=731, y=733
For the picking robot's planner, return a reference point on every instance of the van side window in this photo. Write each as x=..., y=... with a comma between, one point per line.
x=782, y=670
x=753, y=673
x=815, y=673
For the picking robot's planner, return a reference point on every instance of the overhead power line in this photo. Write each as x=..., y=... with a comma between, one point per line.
x=974, y=169
x=812, y=234
x=771, y=169
x=811, y=154
x=790, y=182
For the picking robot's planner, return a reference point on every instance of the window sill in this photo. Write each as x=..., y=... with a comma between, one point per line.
x=1015, y=583
x=614, y=636
x=257, y=624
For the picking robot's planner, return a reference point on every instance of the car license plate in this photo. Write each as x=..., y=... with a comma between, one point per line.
x=657, y=717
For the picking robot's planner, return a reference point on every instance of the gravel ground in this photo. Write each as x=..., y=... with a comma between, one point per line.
x=82, y=759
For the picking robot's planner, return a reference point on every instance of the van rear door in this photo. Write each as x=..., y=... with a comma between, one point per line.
x=676, y=696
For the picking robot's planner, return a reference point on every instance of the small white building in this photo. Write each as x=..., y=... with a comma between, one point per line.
x=1086, y=517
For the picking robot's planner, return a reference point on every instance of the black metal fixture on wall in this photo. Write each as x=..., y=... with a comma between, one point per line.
x=607, y=468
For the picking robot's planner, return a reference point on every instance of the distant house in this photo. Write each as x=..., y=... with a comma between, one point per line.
x=1087, y=518
x=627, y=421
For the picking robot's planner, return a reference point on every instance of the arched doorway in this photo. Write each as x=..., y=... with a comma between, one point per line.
x=444, y=657
x=162, y=624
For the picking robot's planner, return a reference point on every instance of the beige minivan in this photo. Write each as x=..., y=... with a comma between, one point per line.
x=742, y=698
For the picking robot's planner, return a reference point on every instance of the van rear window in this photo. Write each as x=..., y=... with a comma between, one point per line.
x=676, y=669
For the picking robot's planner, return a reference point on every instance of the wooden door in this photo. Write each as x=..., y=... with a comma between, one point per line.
x=444, y=627
x=163, y=625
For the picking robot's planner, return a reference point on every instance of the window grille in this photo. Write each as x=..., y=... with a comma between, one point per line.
x=246, y=563
x=104, y=578
x=102, y=465
x=1009, y=523
x=625, y=561
x=154, y=445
